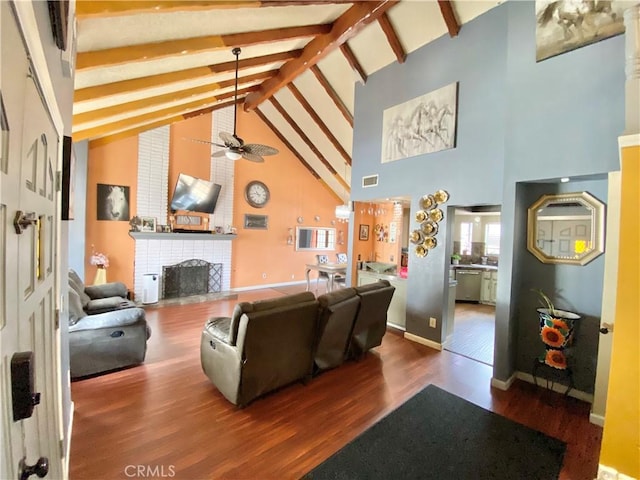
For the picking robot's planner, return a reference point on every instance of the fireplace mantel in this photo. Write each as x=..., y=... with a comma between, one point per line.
x=181, y=236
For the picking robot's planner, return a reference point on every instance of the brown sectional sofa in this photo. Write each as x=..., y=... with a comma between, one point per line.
x=268, y=344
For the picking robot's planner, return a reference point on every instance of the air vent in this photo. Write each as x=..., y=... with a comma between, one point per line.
x=370, y=181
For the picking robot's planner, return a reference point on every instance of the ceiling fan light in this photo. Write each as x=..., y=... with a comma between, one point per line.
x=232, y=155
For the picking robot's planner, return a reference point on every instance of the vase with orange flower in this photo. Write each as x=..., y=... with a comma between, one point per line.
x=556, y=332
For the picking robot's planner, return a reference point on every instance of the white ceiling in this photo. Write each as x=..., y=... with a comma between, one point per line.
x=122, y=54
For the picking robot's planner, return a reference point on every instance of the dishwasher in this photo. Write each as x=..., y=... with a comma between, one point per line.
x=469, y=283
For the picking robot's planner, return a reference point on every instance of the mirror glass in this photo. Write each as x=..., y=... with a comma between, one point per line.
x=566, y=228
x=315, y=238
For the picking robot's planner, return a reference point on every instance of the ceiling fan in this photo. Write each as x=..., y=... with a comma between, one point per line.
x=234, y=146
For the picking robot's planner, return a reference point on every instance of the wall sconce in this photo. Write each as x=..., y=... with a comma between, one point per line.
x=425, y=237
x=290, y=237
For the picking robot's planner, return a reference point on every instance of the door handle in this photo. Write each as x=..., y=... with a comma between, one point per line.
x=23, y=219
x=606, y=328
x=40, y=468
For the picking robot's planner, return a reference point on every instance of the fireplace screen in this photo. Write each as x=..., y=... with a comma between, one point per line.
x=191, y=277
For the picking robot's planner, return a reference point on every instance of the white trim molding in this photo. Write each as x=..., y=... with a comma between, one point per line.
x=632, y=140
x=557, y=387
x=423, y=341
x=610, y=473
x=502, y=384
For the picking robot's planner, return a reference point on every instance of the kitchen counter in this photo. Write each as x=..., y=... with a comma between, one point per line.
x=396, y=315
x=381, y=276
x=475, y=266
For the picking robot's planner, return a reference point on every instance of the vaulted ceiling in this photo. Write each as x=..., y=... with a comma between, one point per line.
x=144, y=64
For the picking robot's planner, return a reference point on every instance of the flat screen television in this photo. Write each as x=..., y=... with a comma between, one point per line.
x=195, y=195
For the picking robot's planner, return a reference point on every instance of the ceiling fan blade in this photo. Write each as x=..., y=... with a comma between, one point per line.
x=197, y=140
x=252, y=157
x=231, y=140
x=259, y=149
x=219, y=153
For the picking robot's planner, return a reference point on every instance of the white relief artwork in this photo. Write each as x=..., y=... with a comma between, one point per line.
x=421, y=125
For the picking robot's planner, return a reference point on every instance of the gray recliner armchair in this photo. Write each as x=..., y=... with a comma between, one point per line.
x=371, y=321
x=336, y=318
x=100, y=298
x=263, y=346
x=105, y=341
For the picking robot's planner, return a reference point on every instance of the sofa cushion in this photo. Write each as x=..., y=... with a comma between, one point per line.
x=336, y=296
x=270, y=304
x=76, y=312
x=372, y=286
x=76, y=284
x=109, y=304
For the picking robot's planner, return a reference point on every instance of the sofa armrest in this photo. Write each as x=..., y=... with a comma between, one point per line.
x=218, y=327
x=111, y=289
x=118, y=318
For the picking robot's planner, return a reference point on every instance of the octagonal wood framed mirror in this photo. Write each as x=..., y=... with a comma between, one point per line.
x=566, y=228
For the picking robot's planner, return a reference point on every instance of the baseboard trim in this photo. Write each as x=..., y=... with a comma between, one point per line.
x=596, y=419
x=503, y=384
x=67, y=452
x=423, y=341
x=268, y=285
x=556, y=387
x=631, y=140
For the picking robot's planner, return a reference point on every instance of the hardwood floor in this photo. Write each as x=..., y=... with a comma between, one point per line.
x=166, y=418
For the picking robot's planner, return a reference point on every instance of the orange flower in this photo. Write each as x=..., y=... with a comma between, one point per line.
x=557, y=323
x=556, y=359
x=552, y=336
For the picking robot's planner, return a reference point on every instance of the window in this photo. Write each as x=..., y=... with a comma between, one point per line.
x=466, y=234
x=492, y=239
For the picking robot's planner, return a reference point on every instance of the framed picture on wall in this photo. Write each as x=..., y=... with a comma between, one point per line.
x=113, y=202
x=147, y=224
x=256, y=222
x=364, y=232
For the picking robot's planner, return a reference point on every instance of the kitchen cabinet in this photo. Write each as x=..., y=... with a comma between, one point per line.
x=488, y=287
x=396, y=315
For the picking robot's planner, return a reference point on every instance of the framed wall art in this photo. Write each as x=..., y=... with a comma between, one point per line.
x=424, y=124
x=364, y=232
x=564, y=25
x=256, y=222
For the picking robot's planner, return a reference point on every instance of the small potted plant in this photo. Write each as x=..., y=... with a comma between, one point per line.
x=556, y=331
x=455, y=259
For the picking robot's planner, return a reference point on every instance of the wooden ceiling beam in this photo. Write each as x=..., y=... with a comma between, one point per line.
x=316, y=118
x=98, y=142
x=353, y=63
x=392, y=38
x=345, y=27
x=158, y=100
x=110, y=8
x=138, y=120
x=449, y=17
x=332, y=94
x=284, y=140
x=153, y=51
x=152, y=81
x=302, y=135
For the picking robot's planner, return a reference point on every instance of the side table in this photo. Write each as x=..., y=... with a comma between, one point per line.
x=566, y=375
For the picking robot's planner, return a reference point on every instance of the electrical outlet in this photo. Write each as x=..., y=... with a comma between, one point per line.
x=264, y=275
x=293, y=275
x=432, y=322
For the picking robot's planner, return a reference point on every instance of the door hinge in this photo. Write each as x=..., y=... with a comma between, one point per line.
x=61, y=448
x=58, y=181
x=57, y=319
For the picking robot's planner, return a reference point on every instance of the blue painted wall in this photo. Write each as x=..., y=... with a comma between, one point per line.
x=518, y=121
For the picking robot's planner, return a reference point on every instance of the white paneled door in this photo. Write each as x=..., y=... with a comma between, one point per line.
x=29, y=149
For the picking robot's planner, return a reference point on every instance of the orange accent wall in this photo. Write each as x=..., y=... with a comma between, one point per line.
x=112, y=164
x=294, y=193
x=186, y=156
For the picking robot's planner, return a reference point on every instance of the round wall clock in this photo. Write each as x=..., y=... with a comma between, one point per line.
x=256, y=194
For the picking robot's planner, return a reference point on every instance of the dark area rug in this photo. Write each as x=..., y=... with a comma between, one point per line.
x=437, y=435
